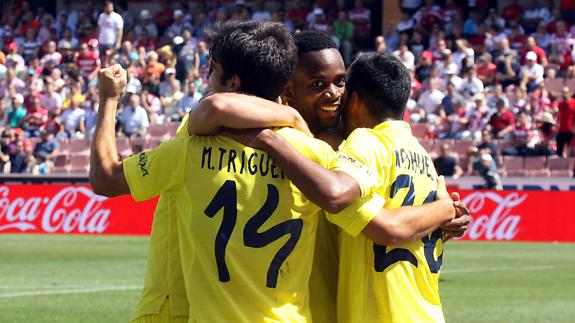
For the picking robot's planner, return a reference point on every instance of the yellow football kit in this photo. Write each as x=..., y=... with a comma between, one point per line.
x=396, y=283
x=246, y=233
x=164, y=280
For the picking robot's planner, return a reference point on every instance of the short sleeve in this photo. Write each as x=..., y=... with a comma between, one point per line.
x=160, y=170
x=356, y=158
x=357, y=216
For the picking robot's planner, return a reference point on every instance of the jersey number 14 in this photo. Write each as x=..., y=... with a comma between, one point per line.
x=227, y=199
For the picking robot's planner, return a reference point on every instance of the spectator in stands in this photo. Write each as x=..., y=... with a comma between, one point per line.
x=512, y=12
x=190, y=100
x=407, y=58
x=486, y=70
x=532, y=73
x=485, y=166
x=566, y=130
x=35, y=119
x=471, y=84
x=47, y=147
x=73, y=120
x=405, y=24
x=88, y=62
x=177, y=27
x=134, y=118
x=110, y=28
x=522, y=136
x=260, y=12
x=391, y=37
x=361, y=19
x=282, y=18
x=430, y=100
x=5, y=140
x=146, y=24
x=19, y=159
x=487, y=146
x=16, y=112
x=531, y=46
x=343, y=30
x=502, y=122
x=508, y=67
x=446, y=164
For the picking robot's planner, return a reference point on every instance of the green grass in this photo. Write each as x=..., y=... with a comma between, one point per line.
x=98, y=279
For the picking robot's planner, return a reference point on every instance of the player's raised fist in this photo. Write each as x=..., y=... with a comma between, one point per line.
x=112, y=81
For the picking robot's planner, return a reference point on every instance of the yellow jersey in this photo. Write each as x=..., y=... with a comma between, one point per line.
x=396, y=283
x=247, y=234
x=164, y=278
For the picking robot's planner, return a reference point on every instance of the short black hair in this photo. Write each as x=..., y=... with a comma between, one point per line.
x=312, y=41
x=382, y=82
x=262, y=54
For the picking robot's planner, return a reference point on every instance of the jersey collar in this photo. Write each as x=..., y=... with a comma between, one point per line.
x=393, y=124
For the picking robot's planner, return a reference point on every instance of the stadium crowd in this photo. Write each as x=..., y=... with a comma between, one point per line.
x=490, y=87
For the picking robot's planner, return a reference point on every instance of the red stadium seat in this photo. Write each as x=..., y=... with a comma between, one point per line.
x=64, y=146
x=77, y=161
x=562, y=173
x=557, y=163
x=535, y=163
x=461, y=147
x=555, y=85
x=60, y=169
x=513, y=166
x=540, y=173
x=419, y=130
x=570, y=83
x=61, y=160
x=427, y=144
x=124, y=147
x=159, y=131
x=79, y=147
x=173, y=128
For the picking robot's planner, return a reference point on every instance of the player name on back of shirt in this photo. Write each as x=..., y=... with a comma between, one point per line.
x=414, y=162
x=257, y=163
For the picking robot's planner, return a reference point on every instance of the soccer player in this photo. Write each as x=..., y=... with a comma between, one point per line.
x=397, y=282
x=266, y=233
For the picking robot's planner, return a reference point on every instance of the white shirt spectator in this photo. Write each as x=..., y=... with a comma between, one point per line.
x=109, y=25
x=407, y=58
x=430, y=100
x=134, y=119
x=536, y=71
x=71, y=119
x=188, y=102
x=471, y=87
x=90, y=120
x=55, y=59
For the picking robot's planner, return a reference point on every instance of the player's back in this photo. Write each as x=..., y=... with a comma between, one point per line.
x=393, y=283
x=250, y=230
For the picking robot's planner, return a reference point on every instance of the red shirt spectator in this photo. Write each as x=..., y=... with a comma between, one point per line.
x=502, y=120
x=298, y=17
x=87, y=60
x=567, y=116
x=512, y=11
x=541, y=56
x=361, y=18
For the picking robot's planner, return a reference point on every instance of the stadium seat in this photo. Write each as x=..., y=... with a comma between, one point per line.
x=79, y=147
x=152, y=143
x=513, y=167
x=78, y=161
x=419, y=130
x=535, y=163
x=461, y=147
x=173, y=128
x=64, y=146
x=158, y=131
x=124, y=147
x=540, y=173
x=427, y=144
x=60, y=169
x=557, y=163
x=570, y=83
x=61, y=160
x=565, y=173
x=555, y=85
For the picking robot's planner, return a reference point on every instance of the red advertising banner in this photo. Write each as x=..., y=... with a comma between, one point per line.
x=71, y=209
x=75, y=209
x=521, y=215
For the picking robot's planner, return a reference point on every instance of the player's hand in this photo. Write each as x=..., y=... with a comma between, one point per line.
x=112, y=82
x=457, y=227
x=248, y=137
x=442, y=193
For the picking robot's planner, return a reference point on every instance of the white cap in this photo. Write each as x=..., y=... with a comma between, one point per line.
x=451, y=68
x=469, y=51
x=178, y=13
x=531, y=56
x=19, y=98
x=170, y=70
x=318, y=11
x=178, y=40
x=145, y=14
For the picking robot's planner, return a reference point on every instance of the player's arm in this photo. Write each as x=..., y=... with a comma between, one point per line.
x=408, y=223
x=241, y=111
x=106, y=171
x=333, y=191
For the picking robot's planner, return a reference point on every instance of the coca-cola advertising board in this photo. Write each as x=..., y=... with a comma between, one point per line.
x=75, y=209
x=71, y=209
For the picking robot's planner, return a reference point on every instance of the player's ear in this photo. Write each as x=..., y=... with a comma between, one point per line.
x=288, y=92
x=354, y=102
x=234, y=83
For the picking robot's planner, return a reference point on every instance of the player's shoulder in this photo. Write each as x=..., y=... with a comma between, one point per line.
x=311, y=147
